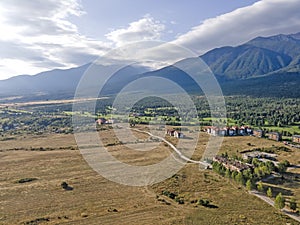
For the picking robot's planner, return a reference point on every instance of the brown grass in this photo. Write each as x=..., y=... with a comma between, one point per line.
x=93, y=198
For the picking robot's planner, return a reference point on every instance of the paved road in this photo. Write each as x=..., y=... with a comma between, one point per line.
x=271, y=202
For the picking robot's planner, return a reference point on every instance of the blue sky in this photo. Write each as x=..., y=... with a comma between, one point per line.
x=178, y=16
x=40, y=35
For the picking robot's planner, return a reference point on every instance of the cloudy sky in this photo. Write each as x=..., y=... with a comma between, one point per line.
x=40, y=35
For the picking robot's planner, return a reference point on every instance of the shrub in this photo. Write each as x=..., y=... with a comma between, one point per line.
x=25, y=180
x=179, y=200
x=169, y=194
x=293, y=204
x=66, y=186
x=279, y=201
x=203, y=202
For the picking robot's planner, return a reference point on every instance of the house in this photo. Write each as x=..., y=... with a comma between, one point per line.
x=223, y=132
x=170, y=132
x=102, y=121
x=249, y=130
x=276, y=136
x=109, y=121
x=208, y=130
x=231, y=132
x=178, y=134
x=241, y=131
x=215, y=131
x=259, y=133
x=296, y=139
x=245, y=130
x=212, y=130
x=174, y=133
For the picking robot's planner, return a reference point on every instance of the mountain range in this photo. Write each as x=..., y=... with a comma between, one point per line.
x=260, y=56
x=263, y=66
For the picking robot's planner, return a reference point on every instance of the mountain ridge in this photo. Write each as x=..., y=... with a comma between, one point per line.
x=261, y=57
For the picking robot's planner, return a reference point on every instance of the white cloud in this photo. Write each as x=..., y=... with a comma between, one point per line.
x=146, y=28
x=37, y=36
x=264, y=18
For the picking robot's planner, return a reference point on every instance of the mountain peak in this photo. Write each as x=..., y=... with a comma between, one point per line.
x=259, y=57
x=296, y=36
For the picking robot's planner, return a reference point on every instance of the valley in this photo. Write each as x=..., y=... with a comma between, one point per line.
x=38, y=153
x=95, y=200
x=239, y=161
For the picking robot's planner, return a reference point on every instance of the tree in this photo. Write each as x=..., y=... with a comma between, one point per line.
x=269, y=193
x=249, y=185
x=281, y=167
x=270, y=165
x=286, y=163
x=256, y=162
x=248, y=174
x=240, y=178
x=228, y=173
x=293, y=204
x=265, y=170
x=234, y=174
x=279, y=201
x=260, y=186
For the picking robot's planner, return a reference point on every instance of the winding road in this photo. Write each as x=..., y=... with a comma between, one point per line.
x=271, y=202
x=205, y=164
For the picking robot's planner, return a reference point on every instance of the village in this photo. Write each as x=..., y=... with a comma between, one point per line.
x=240, y=131
x=246, y=156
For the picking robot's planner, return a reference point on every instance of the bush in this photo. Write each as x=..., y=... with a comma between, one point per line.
x=281, y=167
x=203, y=202
x=279, y=201
x=179, y=200
x=269, y=193
x=66, y=186
x=25, y=180
x=169, y=194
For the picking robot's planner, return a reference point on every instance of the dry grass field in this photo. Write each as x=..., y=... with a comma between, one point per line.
x=53, y=159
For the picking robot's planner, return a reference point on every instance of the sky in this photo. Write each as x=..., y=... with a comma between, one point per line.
x=41, y=35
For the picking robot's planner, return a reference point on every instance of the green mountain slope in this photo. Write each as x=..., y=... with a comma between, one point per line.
x=260, y=56
x=264, y=66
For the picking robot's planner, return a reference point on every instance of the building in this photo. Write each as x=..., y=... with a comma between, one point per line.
x=241, y=131
x=213, y=131
x=249, y=130
x=170, y=132
x=178, y=134
x=102, y=121
x=259, y=155
x=296, y=139
x=245, y=130
x=231, y=164
x=259, y=133
x=223, y=132
x=276, y=136
x=174, y=133
x=229, y=131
